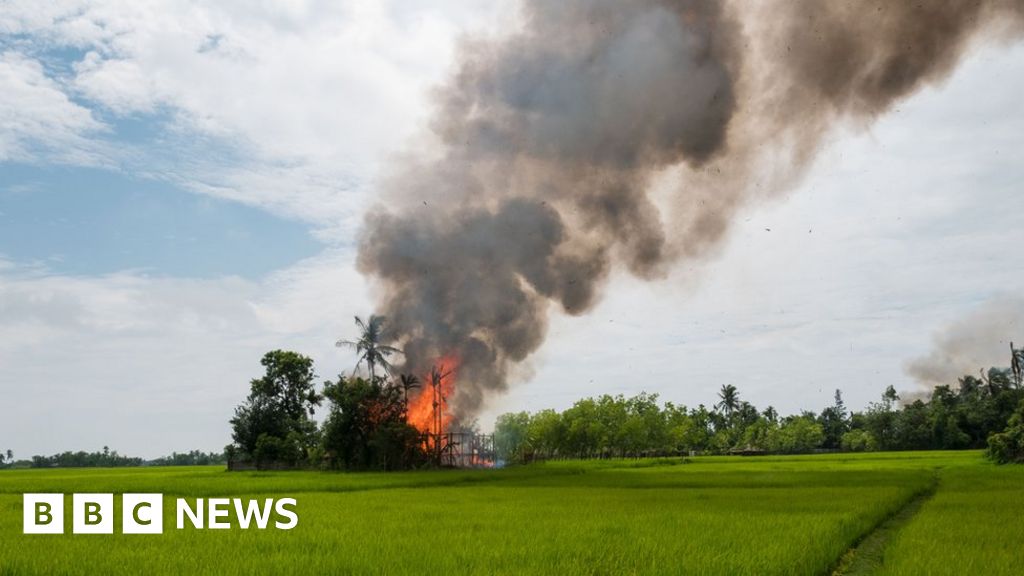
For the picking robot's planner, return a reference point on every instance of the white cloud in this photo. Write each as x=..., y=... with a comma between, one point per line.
x=38, y=120
x=150, y=365
x=287, y=106
x=307, y=96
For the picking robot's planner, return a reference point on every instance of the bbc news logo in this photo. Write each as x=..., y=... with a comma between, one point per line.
x=144, y=513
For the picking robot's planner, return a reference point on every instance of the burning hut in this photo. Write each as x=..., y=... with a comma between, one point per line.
x=447, y=443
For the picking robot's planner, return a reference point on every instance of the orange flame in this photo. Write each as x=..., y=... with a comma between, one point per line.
x=423, y=409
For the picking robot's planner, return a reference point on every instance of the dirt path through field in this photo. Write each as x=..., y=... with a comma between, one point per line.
x=869, y=553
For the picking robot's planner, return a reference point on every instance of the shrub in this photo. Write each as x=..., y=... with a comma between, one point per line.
x=273, y=450
x=1008, y=446
x=859, y=441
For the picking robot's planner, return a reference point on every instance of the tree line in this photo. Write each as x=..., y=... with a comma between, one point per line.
x=984, y=411
x=108, y=458
x=365, y=425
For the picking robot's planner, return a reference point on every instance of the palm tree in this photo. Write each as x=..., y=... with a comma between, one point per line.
x=408, y=382
x=369, y=346
x=730, y=400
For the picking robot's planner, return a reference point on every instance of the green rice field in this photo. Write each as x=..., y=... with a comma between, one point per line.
x=704, y=515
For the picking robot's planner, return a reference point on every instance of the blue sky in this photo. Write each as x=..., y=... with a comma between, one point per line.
x=181, y=186
x=92, y=221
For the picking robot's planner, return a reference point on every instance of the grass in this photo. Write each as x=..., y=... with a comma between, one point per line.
x=973, y=525
x=869, y=555
x=714, y=515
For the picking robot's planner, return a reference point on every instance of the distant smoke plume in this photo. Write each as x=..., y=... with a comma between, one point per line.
x=979, y=341
x=546, y=143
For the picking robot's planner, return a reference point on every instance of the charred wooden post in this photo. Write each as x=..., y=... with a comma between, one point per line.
x=468, y=450
x=438, y=399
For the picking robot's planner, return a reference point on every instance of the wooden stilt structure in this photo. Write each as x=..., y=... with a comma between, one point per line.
x=454, y=449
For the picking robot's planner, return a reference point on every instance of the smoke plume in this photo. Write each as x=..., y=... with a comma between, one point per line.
x=545, y=144
x=978, y=341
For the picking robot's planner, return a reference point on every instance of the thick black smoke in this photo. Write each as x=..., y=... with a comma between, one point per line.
x=546, y=143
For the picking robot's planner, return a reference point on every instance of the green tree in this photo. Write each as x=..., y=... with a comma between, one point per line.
x=746, y=415
x=944, y=417
x=511, y=436
x=278, y=408
x=912, y=428
x=834, y=423
x=859, y=441
x=889, y=397
x=1008, y=446
x=370, y=346
x=611, y=414
x=797, y=435
x=366, y=427
x=82, y=459
x=703, y=427
x=642, y=430
x=729, y=400
x=880, y=420
x=584, y=431
x=758, y=435
x=545, y=433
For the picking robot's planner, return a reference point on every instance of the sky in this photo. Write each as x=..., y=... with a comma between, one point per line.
x=181, y=187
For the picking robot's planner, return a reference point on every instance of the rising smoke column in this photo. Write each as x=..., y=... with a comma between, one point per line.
x=545, y=145
x=976, y=342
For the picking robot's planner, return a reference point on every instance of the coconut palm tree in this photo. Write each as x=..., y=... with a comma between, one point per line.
x=730, y=400
x=369, y=346
x=408, y=382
